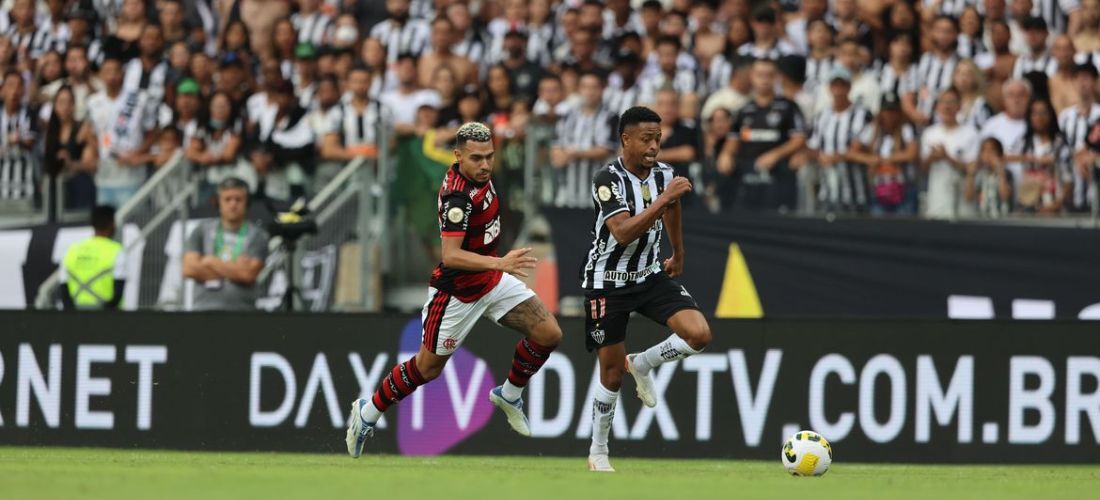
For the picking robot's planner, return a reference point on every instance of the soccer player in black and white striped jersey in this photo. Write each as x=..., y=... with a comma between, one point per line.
x=635, y=198
x=583, y=144
x=1074, y=122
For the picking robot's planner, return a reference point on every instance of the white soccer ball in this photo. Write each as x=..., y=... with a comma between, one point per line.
x=807, y=453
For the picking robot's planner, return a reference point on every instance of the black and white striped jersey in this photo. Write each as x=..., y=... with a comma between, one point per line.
x=610, y=264
x=1075, y=126
x=617, y=99
x=18, y=165
x=1042, y=63
x=355, y=127
x=1055, y=13
x=411, y=37
x=582, y=130
x=315, y=28
x=934, y=75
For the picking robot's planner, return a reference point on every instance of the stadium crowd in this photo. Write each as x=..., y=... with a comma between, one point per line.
x=938, y=108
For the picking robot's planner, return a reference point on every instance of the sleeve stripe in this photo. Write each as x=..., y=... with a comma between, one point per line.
x=613, y=212
x=452, y=233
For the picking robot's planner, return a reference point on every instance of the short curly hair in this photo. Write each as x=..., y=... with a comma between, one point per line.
x=473, y=131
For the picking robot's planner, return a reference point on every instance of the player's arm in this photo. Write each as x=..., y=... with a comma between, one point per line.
x=674, y=265
x=626, y=228
x=454, y=221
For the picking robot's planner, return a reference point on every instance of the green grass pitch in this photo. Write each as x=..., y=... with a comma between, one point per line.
x=66, y=473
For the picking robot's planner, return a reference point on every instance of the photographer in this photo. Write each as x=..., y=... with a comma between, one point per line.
x=225, y=256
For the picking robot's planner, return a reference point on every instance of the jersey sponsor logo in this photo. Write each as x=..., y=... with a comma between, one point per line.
x=455, y=215
x=492, y=230
x=604, y=193
x=773, y=118
x=759, y=135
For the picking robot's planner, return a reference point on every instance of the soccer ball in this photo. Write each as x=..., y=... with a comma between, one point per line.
x=807, y=453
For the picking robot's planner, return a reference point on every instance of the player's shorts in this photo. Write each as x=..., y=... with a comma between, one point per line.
x=607, y=311
x=447, y=321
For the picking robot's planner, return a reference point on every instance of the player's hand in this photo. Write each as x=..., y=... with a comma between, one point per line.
x=675, y=190
x=674, y=265
x=516, y=261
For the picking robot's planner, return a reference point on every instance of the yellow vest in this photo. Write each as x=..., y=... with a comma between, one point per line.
x=89, y=266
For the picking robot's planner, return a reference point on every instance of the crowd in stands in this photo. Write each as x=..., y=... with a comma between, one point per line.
x=936, y=108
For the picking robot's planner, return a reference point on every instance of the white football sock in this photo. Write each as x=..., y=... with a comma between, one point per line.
x=670, y=349
x=511, y=392
x=370, y=413
x=603, y=412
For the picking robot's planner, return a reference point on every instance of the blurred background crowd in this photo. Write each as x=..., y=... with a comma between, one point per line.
x=932, y=108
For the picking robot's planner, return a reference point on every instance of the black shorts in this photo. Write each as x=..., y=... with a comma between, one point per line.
x=607, y=311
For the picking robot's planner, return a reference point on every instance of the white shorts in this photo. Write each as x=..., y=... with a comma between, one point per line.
x=447, y=321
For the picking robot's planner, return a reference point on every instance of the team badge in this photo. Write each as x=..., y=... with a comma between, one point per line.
x=645, y=193
x=604, y=193
x=455, y=215
x=773, y=118
x=597, y=335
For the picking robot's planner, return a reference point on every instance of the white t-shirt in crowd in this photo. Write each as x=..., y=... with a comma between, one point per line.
x=944, y=181
x=1010, y=132
x=120, y=125
x=402, y=107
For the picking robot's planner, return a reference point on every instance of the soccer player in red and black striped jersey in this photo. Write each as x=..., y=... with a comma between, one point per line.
x=472, y=282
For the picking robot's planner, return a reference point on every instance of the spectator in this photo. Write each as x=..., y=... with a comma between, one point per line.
x=624, y=90
x=973, y=108
x=999, y=63
x=988, y=184
x=184, y=114
x=1009, y=126
x=542, y=29
x=1037, y=58
x=766, y=43
x=353, y=131
x=1062, y=92
x=585, y=140
x=668, y=74
x=499, y=94
x=18, y=164
x=172, y=22
x=447, y=86
x=936, y=69
x=283, y=147
x=1074, y=123
x=798, y=27
x=899, y=75
x=53, y=33
x=551, y=104
x=179, y=62
x=735, y=94
x=48, y=70
x=92, y=275
x=22, y=31
x=401, y=34
x=214, y=147
x=374, y=58
x=124, y=120
x=313, y=26
x=73, y=144
x=680, y=142
x=1046, y=162
x=523, y=73
x=442, y=41
x=792, y=78
x=224, y=256
x=202, y=71
x=766, y=132
x=149, y=71
x=819, y=59
x=305, y=75
x=284, y=42
x=470, y=43
x=403, y=102
x=715, y=134
x=79, y=79
x=835, y=131
x=866, y=90
x=888, y=150
x=971, y=44
x=1087, y=37
x=947, y=147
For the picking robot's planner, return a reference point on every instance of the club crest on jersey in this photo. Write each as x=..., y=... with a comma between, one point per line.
x=773, y=118
x=604, y=193
x=646, y=195
x=455, y=215
x=597, y=335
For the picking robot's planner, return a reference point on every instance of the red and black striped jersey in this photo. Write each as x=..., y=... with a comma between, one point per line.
x=472, y=212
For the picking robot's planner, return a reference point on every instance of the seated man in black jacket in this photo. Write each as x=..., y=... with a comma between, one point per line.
x=282, y=148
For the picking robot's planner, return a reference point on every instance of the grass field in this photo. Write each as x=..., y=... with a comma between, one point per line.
x=47, y=473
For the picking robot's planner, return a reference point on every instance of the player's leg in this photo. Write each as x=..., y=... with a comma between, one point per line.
x=446, y=322
x=605, y=327
x=515, y=306
x=668, y=303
